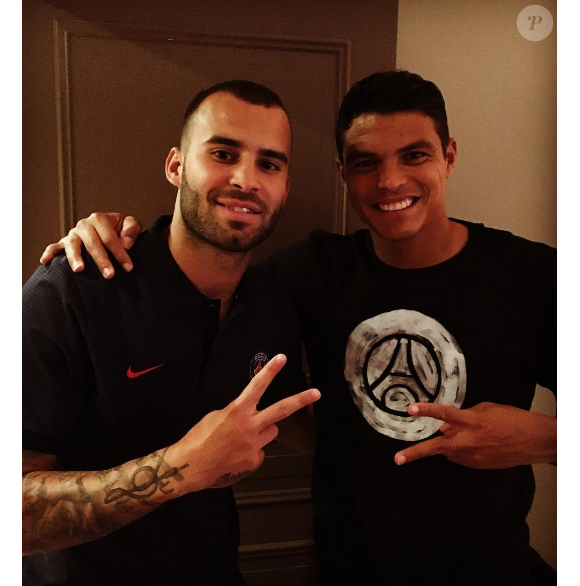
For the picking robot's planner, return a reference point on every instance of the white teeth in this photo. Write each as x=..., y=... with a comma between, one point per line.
x=242, y=210
x=400, y=205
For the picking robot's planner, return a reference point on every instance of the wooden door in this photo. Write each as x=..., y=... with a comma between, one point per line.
x=105, y=85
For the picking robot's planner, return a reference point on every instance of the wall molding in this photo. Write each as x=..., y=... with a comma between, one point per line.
x=272, y=550
x=269, y=497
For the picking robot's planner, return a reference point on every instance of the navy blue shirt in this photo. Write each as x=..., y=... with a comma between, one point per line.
x=85, y=339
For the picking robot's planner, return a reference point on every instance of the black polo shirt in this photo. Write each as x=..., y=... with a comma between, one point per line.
x=114, y=370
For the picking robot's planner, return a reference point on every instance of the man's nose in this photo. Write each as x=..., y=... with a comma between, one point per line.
x=391, y=176
x=245, y=176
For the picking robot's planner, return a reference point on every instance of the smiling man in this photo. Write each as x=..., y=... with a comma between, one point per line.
x=134, y=427
x=397, y=166
x=240, y=217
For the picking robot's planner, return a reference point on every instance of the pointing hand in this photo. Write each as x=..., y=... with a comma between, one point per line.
x=485, y=436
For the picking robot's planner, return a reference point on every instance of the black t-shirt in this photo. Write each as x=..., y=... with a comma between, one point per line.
x=479, y=327
x=84, y=338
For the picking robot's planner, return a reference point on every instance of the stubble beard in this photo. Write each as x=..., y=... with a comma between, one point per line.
x=203, y=227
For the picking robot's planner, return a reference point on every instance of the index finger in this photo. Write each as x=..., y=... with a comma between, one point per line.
x=437, y=411
x=258, y=385
x=430, y=447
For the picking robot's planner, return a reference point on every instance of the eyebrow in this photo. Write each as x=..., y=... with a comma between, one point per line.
x=426, y=145
x=224, y=140
x=353, y=153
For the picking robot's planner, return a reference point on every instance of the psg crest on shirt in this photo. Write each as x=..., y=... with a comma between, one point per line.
x=258, y=362
x=402, y=357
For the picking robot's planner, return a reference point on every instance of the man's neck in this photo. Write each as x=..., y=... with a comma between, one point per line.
x=215, y=273
x=429, y=247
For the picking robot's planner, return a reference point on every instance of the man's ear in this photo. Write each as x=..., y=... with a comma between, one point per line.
x=451, y=157
x=173, y=167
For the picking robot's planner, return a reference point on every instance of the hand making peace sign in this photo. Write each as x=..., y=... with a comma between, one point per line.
x=227, y=444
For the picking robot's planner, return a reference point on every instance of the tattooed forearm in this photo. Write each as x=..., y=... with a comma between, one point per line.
x=145, y=481
x=62, y=509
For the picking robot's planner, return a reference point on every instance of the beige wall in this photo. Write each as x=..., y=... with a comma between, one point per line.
x=500, y=91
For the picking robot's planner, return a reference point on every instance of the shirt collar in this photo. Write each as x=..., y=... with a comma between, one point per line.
x=167, y=282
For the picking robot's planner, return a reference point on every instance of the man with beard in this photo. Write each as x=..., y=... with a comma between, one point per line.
x=135, y=383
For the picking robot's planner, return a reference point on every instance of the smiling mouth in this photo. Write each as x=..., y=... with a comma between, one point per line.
x=396, y=206
x=240, y=210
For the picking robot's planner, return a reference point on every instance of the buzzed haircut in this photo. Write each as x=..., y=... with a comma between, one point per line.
x=387, y=92
x=248, y=91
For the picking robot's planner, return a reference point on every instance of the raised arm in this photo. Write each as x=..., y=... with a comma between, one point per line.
x=99, y=232
x=62, y=508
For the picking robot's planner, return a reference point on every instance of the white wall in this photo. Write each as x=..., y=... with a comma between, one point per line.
x=500, y=92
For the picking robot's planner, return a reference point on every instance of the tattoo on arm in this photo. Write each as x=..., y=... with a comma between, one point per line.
x=62, y=509
x=228, y=479
x=145, y=481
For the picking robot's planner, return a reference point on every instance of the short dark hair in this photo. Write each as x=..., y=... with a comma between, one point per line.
x=248, y=91
x=386, y=92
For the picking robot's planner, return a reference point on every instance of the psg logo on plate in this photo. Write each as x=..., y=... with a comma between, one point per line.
x=258, y=362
